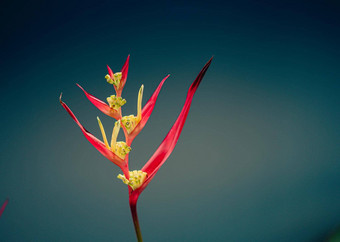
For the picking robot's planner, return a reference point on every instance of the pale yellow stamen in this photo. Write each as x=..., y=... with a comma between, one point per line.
x=115, y=133
x=131, y=121
x=103, y=133
x=137, y=178
x=116, y=79
x=139, y=103
x=108, y=79
x=121, y=149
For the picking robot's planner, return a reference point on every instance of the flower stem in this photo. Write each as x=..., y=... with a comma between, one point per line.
x=133, y=208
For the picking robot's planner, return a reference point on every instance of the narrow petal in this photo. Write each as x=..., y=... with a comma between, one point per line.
x=139, y=103
x=114, y=136
x=2, y=209
x=110, y=71
x=146, y=112
x=106, y=109
x=99, y=145
x=168, y=144
x=102, y=130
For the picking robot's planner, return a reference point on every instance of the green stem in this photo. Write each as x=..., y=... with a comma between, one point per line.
x=133, y=208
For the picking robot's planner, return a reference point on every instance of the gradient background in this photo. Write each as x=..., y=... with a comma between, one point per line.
x=258, y=159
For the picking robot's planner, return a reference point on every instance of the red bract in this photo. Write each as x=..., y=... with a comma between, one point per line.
x=164, y=150
x=102, y=106
x=169, y=142
x=2, y=209
x=124, y=72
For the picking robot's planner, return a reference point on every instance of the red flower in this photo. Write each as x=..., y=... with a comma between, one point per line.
x=117, y=152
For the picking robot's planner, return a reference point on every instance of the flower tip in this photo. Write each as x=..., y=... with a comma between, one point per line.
x=61, y=94
x=80, y=87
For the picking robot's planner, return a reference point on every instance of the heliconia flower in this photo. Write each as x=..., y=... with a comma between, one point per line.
x=108, y=151
x=118, y=79
x=140, y=179
x=117, y=152
x=2, y=209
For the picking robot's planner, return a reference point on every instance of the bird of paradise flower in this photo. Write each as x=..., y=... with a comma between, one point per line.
x=118, y=152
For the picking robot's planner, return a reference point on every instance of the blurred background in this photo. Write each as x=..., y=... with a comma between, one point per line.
x=258, y=158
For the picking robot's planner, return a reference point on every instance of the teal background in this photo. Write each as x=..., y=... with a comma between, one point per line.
x=258, y=158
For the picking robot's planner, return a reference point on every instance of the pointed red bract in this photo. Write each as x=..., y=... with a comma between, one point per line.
x=99, y=145
x=124, y=72
x=2, y=209
x=106, y=109
x=146, y=112
x=169, y=142
x=110, y=72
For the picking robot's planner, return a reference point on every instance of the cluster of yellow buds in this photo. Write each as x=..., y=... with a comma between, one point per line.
x=115, y=102
x=136, y=178
x=116, y=79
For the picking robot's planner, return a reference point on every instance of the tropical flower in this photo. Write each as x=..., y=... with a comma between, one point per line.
x=117, y=152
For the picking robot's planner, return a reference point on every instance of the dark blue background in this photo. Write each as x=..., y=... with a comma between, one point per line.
x=258, y=159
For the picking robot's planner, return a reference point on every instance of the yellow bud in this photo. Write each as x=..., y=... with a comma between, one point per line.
x=115, y=102
x=137, y=178
x=130, y=122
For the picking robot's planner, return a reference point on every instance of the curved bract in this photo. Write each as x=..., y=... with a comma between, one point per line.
x=106, y=109
x=169, y=142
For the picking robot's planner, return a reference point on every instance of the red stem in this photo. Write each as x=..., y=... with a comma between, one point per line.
x=133, y=208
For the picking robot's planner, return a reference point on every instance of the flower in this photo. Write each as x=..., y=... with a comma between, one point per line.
x=118, y=79
x=117, y=152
